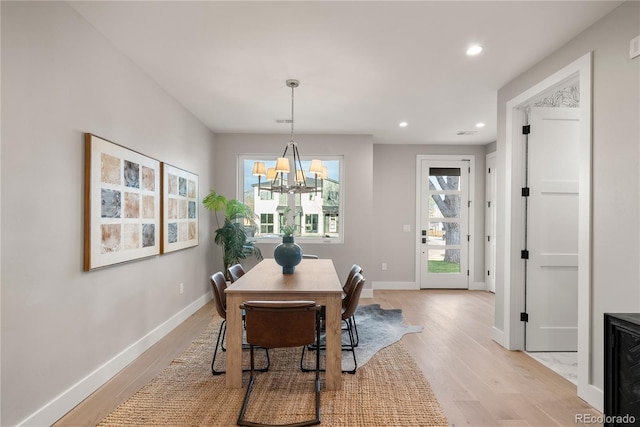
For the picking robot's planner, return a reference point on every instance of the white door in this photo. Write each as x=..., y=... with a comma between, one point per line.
x=444, y=213
x=490, y=223
x=552, y=230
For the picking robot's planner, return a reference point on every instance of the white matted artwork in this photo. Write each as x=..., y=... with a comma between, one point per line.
x=122, y=204
x=179, y=209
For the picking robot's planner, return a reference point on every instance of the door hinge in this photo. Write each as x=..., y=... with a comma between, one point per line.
x=526, y=129
x=468, y=203
x=467, y=272
x=468, y=237
x=488, y=272
x=489, y=204
x=612, y=341
x=525, y=191
x=488, y=238
x=524, y=254
x=524, y=317
x=489, y=170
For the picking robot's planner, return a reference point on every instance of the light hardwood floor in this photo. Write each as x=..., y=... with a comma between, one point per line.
x=476, y=381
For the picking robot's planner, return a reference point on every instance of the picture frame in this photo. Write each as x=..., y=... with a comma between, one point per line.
x=179, y=209
x=122, y=204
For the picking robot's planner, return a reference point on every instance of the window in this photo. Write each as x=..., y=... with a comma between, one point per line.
x=266, y=223
x=316, y=216
x=311, y=223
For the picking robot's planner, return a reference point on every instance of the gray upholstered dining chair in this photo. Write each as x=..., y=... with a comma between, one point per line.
x=280, y=324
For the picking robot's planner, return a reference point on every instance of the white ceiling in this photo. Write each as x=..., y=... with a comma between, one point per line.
x=364, y=66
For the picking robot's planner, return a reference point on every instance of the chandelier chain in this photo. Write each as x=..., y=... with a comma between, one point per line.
x=292, y=100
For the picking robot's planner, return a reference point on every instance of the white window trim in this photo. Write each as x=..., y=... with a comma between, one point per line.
x=305, y=239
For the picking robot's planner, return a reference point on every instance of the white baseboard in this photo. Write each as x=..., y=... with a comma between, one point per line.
x=477, y=286
x=413, y=286
x=497, y=335
x=366, y=293
x=593, y=396
x=405, y=286
x=67, y=400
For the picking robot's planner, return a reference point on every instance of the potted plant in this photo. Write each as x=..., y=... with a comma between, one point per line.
x=232, y=235
x=288, y=230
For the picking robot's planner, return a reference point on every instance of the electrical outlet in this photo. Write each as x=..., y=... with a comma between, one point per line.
x=181, y=288
x=384, y=266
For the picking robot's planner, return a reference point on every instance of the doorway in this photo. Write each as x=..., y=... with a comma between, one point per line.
x=444, y=223
x=512, y=224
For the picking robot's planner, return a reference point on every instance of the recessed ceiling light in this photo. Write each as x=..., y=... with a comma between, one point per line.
x=474, y=50
x=480, y=125
x=403, y=124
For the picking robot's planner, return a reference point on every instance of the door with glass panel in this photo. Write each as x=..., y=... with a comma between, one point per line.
x=444, y=212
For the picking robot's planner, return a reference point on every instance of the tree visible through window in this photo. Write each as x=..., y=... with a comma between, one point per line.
x=447, y=207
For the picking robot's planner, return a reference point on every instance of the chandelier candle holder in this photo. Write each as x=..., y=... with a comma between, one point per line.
x=285, y=179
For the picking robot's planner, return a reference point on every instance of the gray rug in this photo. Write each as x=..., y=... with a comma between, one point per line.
x=377, y=329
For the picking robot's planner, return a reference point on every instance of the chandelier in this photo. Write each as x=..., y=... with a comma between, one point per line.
x=288, y=176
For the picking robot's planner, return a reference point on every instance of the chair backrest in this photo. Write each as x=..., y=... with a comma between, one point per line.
x=348, y=284
x=355, y=268
x=219, y=284
x=350, y=302
x=235, y=272
x=274, y=324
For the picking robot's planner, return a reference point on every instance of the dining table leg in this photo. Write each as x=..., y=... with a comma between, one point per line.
x=234, y=341
x=334, y=343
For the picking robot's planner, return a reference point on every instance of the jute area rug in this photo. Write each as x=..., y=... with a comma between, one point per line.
x=390, y=390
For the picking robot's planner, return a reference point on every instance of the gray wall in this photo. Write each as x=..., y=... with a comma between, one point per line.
x=60, y=325
x=394, y=205
x=615, y=172
x=356, y=189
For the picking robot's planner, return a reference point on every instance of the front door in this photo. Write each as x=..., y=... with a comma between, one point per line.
x=444, y=213
x=552, y=230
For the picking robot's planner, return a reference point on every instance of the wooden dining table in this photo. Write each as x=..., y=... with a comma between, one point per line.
x=313, y=280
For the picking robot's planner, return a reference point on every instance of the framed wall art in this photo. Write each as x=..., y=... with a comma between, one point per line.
x=122, y=204
x=179, y=209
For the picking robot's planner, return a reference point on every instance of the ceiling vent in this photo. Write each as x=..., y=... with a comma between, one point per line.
x=467, y=132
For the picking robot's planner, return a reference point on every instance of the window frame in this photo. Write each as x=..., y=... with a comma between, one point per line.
x=339, y=239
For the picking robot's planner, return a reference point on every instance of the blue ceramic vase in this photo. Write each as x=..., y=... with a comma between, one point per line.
x=288, y=254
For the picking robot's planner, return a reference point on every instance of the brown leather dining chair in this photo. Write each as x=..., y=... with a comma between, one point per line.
x=349, y=306
x=219, y=284
x=280, y=324
x=236, y=271
x=345, y=289
x=355, y=268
